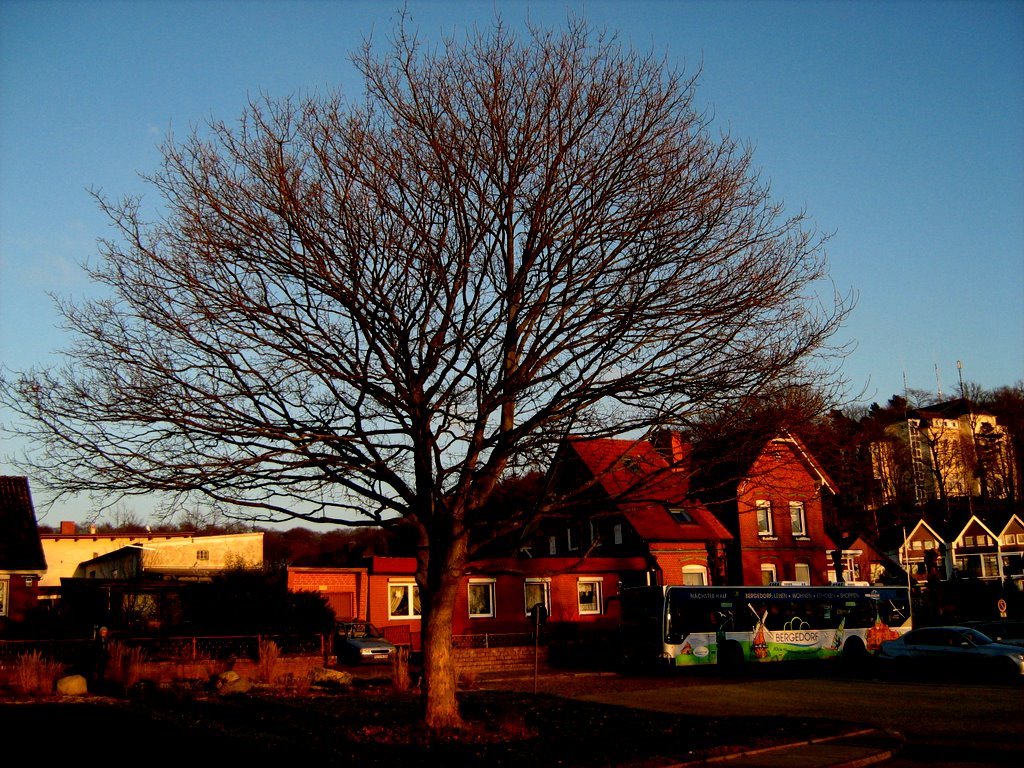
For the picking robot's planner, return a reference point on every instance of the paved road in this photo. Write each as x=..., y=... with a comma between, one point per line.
x=952, y=725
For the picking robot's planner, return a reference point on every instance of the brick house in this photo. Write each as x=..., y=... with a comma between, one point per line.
x=769, y=497
x=635, y=522
x=639, y=505
x=22, y=563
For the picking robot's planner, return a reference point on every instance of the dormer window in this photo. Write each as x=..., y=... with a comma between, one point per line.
x=631, y=464
x=680, y=515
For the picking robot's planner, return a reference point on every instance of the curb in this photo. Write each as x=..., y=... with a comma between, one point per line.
x=880, y=756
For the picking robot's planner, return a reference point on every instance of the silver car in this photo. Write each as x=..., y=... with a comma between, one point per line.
x=359, y=642
x=953, y=650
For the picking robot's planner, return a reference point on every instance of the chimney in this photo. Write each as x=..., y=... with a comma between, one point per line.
x=68, y=527
x=672, y=446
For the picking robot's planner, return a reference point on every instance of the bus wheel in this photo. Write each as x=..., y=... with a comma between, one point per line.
x=730, y=657
x=855, y=655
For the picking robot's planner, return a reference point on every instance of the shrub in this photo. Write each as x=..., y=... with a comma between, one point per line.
x=124, y=667
x=36, y=674
x=269, y=654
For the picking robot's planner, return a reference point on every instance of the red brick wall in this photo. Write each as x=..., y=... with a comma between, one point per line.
x=473, y=661
x=377, y=612
x=672, y=562
x=332, y=580
x=780, y=476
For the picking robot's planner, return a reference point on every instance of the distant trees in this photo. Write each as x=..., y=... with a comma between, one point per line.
x=868, y=453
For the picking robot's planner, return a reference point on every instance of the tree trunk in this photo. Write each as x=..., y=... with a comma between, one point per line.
x=442, y=707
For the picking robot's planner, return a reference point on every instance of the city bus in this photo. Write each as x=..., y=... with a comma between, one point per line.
x=683, y=626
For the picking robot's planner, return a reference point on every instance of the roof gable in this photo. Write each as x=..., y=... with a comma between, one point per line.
x=20, y=547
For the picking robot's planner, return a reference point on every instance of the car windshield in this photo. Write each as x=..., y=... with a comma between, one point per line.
x=360, y=630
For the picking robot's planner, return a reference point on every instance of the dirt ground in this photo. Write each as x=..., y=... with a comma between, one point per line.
x=371, y=724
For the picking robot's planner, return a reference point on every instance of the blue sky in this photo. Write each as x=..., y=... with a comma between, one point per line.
x=898, y=127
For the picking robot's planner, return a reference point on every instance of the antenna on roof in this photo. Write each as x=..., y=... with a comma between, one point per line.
x=938, y=383
x=960, y=373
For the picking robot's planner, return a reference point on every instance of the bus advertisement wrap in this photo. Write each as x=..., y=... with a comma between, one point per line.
x=717, y=625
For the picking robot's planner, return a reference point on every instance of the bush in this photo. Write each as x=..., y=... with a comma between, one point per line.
x=36, y=674
x=124, y=667
x=269, y=654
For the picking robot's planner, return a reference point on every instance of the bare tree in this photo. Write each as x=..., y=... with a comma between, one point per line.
x=357, y=313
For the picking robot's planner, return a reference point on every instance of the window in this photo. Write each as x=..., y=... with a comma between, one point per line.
x=695, y=575
x=764, y=518
x=929, y=544
x=202, y=554
x=968, y=541
x=552, y=545
x=680, y=515
x=481, y=598
x=404, y=601
x=617, y=534
x=797, y=518
x=595, y=533
x=4, y=583
x=989, y=565
x=1008, y=539
x=916, y=545
x=768, y=574
x=572, y=539
x=1020, y=538
x=802, y=573
x=589, y=595
x=537, y=591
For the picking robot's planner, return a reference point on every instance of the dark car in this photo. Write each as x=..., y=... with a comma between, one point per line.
x=1009, y=631
x=953, y=651
x=360, y=642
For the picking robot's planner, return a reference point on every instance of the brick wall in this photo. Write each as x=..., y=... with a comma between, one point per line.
x=474, y=661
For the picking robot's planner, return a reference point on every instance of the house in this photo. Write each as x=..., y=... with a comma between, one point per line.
x=188, y=557
x=989, y=548
x=947, y=450
x=345, y=590
x=768, y=493
x=634, y=525
x=71, y=553
x=1011, y=538
x=639, y=505
x=865, y=561
x=634, y=520
x=139, y=580
x=22, y=562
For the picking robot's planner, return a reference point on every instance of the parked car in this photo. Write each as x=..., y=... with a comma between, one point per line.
x=1001, y=630
x=360, y=642
x=953, y=650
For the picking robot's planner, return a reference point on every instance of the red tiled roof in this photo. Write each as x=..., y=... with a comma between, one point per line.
x=638, y=478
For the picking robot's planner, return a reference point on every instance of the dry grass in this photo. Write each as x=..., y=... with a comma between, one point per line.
x=269, y=655
x=35, y=674
x=400, y=677
x=124, y=667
